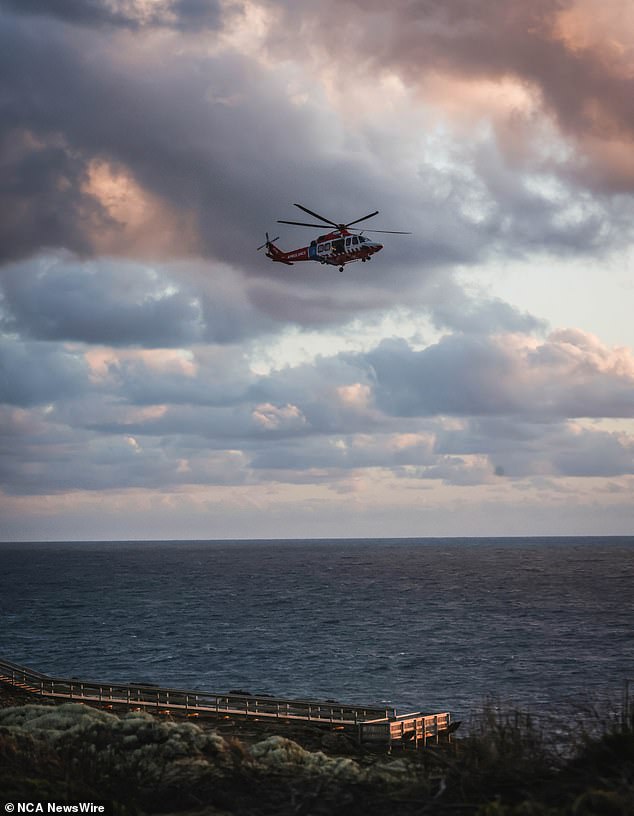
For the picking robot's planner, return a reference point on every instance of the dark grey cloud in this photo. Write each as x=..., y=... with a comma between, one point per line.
x=517, y=448
x=196, y=14
x=179, y=14
x=595, y=453
x=451, y=306
x=105, y=301
x=466, y=410
x=171, y=120
x=99, y=303
x=81, y=460
x=83, y=12
x=586, y=86
x=42, y=198
x=190, y=129
x=459, y=375
x=344, y=453
x=121, y=303
x=569, y=375
x=97, y=391
x=221, y=139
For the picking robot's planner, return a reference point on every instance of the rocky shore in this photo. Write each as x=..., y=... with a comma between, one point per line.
x=145, y=765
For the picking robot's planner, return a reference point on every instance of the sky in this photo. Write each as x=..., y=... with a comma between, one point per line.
x=159, y=378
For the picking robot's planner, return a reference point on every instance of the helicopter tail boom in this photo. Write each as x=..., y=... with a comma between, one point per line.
x=273, y=252
x=276, y=254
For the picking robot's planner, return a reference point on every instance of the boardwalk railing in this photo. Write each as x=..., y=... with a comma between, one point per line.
x=373, y=724
x=416, y=728
x=161, y=698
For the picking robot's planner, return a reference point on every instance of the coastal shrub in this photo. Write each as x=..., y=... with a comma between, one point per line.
x=135, y=755
x=280, y=753
x=509, y=764
x=31, y=768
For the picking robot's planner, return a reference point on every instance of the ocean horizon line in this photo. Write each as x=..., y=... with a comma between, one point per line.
x=326, y=539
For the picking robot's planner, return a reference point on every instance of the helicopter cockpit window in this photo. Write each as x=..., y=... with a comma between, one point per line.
x=355, y=240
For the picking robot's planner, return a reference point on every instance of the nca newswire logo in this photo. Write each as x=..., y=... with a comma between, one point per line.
x=56, y=807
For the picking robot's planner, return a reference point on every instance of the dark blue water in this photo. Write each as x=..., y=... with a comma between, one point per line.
x=435, y=624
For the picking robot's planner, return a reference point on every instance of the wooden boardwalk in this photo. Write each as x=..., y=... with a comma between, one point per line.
x=371, y=724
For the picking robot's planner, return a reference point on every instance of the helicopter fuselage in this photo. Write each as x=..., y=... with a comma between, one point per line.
x=336, y=248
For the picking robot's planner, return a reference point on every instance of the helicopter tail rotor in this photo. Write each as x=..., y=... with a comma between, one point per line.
x=268, y=242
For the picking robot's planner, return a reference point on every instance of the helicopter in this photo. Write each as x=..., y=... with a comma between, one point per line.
x=337, y=247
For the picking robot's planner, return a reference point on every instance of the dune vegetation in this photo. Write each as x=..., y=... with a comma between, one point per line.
x=507, y=765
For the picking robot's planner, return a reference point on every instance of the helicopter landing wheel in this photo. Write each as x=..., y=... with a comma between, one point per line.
x=341, y=268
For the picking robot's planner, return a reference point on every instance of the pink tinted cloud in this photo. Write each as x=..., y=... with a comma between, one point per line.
x=573, y=58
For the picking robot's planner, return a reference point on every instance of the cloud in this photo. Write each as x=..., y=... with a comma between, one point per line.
x=207, y=376
x=133, y=14
x=80, y=460
x=348, y=452
x=175, y=131
x=158, y=304
x=595, y=453
x=145, y=149
x=517, y=448
x=42, y=199
x=469, y=311
x=571, y=374
x=121, y=303
x=551, y=49
x=466, y=410
x=39, y=373
x=58, y=298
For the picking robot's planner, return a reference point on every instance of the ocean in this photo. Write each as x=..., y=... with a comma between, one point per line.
x=421, y=624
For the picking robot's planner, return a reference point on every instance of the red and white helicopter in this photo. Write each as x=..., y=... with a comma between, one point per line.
x=337, y=248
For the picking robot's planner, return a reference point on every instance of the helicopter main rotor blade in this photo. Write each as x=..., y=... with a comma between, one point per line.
x=391, y=232
x=371, y=215
x=302, y=224
x=321, y=218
